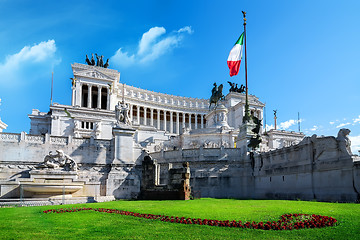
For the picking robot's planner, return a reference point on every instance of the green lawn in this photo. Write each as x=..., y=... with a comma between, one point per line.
x=32, y=223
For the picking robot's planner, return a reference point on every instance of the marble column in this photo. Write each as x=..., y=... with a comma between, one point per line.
x=89, y=96
x=183, y=120
x=189, y=121
x=131, y=112
x=164, y=120
x=196, y=120
x=108, y=99
x=151, y=117
x=73, y=96
x=202, y=120
x=171, y=123
x=78, y=95
x=138, y=114
x=177, y=123
x=158, y=119
x=99, y=97
x=145, y=116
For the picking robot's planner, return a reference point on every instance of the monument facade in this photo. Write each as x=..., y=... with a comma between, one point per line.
x=94, y=149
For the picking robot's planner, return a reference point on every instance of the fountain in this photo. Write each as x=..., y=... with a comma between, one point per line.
x=55, y=178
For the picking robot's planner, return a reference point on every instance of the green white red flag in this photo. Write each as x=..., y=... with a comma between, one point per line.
x=235, y=56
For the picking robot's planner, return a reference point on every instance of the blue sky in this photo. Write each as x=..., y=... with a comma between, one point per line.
x=303, y=56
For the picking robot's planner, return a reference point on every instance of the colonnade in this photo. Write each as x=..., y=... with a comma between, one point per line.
x=167, y=120
x=94, y=96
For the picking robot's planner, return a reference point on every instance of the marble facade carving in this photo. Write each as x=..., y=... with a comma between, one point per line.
x=60, y=159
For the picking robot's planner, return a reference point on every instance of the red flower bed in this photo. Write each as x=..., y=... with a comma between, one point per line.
x=286, y=221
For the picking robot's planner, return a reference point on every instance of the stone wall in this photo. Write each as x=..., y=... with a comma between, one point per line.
x=316, y=168
x=319, y=168
x=20, y=153
x=32, y=148
x=215, y=172
x=177, y=185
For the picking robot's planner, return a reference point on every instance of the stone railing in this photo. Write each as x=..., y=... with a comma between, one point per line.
x=199, y=154
x=9, y=137
x=162, y=99
x=56, y=140
x=35, y=138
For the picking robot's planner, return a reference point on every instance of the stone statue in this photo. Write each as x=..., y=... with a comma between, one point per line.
x=60, y=159
x=87, y=60
x=106, y=65
x=50, y=161
x=216, y=95
x=76, y=124
x=255, y=141
x=257, y=121
x=344, y=142
x=92, y=60
x=101, y=64
x=122, y=113
x=275, y=111
x=73, y=81
x=234, y=88
x=241, y=89
x=97, y=60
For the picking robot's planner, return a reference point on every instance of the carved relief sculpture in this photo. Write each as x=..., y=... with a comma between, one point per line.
x=60, y=159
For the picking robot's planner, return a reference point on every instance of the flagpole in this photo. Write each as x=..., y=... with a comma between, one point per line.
x=247, y=116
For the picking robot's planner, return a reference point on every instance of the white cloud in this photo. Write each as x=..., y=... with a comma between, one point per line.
x=331, y=123
x=187, y=29
x=123, y=57
x=149, y=38
x=342, y=125
x=269, y=127
x=17, y=66
x=153, y=44
x=287, y=124
x=355, y=144
x=284, y=125
x=161, y=48
x=356, y=120
x=314, y=128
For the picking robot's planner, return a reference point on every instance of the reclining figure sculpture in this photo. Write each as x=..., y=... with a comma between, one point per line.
x=60, y=159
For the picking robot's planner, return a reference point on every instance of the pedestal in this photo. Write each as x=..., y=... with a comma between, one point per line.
x=123, y=182
x=245, y=134
x=217, y=118
x=124, y=145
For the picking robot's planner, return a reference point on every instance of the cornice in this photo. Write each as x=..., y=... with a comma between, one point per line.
x=94, y=72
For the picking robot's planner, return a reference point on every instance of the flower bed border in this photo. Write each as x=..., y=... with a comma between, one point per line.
x=286, y=221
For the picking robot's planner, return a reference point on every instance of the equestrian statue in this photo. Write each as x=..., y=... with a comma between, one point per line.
x=216, y=95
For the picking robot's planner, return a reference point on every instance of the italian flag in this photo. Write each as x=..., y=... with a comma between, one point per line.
x=235, y=56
